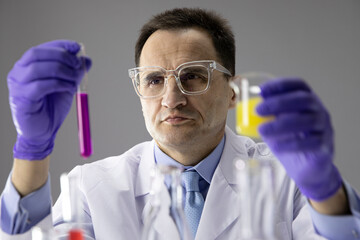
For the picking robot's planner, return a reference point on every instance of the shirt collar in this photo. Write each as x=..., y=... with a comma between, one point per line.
x=205, y=167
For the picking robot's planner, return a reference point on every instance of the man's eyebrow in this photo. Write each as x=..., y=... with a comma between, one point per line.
x=199, y=69
x=154, y=74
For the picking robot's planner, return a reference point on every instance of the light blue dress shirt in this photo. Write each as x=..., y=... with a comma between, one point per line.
x=18, y=214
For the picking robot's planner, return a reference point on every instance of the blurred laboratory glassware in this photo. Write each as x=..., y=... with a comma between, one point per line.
x=72, y=208
x=257, y=196
x=38, y=233
x=164, y=214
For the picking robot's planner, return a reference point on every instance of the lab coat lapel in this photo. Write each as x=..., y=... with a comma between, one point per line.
x=146, y=164
x=143, y=180
x=221, y=208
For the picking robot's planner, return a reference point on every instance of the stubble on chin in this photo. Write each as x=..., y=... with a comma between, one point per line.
x=174, y=136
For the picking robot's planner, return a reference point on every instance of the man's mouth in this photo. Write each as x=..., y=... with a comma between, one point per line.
x=176, y=119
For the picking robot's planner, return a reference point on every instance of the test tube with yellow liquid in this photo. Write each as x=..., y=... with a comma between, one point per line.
x=247, y=89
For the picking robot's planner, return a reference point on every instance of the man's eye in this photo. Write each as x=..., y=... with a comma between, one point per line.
x=190, y=76
x=154, y=80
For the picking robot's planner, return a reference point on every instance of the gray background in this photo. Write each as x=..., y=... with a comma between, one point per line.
x=318, y=40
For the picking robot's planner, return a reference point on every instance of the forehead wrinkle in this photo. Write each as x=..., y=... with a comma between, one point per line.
x=183, y=46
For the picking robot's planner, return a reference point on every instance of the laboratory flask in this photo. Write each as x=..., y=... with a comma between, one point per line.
x=164, y=215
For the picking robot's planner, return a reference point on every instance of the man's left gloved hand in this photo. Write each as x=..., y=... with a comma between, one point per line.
x=300, y=136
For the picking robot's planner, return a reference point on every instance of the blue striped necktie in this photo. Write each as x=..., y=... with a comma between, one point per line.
x=194, y=201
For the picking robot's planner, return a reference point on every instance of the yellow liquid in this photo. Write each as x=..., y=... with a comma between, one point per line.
x=247, y=120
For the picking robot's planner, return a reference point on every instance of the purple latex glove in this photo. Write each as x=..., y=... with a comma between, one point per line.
x=41, y=89
x=301, y=136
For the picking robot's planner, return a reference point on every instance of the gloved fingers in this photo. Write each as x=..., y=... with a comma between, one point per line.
x=294, y=123
x=48, y=54
x=63, y=51
x=45, y=70
x=300, y=142
x=36, y=90
x=283, y=85
x=69, y=45
x=298, y=101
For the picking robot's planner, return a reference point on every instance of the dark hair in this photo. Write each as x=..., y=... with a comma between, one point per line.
x=182, y=18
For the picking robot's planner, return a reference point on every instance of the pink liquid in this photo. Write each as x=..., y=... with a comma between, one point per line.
x=84, y=124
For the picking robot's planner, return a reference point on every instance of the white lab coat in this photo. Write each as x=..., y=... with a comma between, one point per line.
x=115, y=192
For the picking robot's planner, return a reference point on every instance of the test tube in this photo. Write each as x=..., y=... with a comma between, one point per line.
x=82, y=106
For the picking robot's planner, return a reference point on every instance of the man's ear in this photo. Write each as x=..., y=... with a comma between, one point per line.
x=233, y=91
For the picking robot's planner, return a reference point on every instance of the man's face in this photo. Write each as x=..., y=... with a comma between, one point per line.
x=179, y=122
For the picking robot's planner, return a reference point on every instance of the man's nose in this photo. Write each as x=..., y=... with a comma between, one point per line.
x=173, y=97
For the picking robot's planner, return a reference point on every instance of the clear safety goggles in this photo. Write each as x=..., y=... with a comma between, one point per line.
x=192, y=78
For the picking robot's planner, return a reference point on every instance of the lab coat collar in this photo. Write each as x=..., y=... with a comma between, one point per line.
x=233, y=148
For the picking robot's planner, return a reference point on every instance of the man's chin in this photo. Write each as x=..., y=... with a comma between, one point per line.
x=177, y=138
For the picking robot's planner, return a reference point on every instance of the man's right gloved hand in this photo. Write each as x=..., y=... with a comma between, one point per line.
x=41, y=89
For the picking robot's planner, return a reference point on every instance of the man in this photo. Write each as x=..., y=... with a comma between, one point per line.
x=185, y=113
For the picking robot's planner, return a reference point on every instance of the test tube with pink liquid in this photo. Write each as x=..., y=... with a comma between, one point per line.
x=82, y=106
